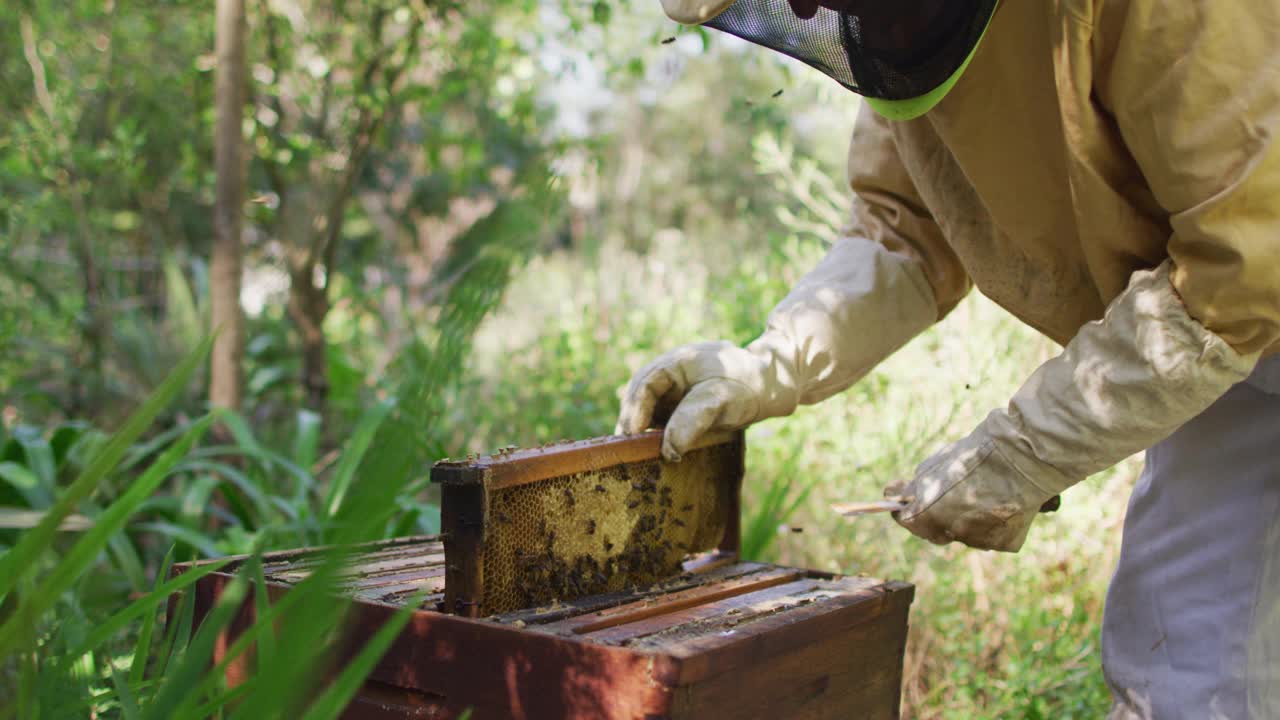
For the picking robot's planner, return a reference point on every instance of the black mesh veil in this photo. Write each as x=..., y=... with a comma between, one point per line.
x=866, y=54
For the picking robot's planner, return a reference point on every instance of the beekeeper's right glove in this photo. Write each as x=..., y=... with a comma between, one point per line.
x=858, y=306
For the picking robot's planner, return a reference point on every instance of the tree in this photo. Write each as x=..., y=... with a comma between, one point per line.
x=227, y=252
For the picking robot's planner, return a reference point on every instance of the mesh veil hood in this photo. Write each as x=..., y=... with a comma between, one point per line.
x=863, y=52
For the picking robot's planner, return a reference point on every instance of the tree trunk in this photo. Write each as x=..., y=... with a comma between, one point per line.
x=227, y=253
x=308, y=307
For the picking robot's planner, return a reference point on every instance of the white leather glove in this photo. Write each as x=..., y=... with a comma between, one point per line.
x=859, y=305
x=1121, y=385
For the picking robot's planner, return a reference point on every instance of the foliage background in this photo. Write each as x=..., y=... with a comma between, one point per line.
x=549, y=194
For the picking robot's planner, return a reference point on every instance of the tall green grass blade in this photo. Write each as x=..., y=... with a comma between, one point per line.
x=83, y=553
x=307, y=439
x=335, y=698
x=262, y=606
x=23, y=556
x=353, y=452
x=178, y=682
x=282, y=688
x=141, y=648
x=128, y=561
x=264, y=624
x=214, y=706
x=143, y=606
x=181, y=308
x=128, y=703
x=178, y=631
x=28, y=699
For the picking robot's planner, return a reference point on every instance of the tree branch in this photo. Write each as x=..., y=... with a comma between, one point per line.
x=38, y=78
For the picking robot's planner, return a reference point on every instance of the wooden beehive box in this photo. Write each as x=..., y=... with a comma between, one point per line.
x=712, y=638
x=736, y=640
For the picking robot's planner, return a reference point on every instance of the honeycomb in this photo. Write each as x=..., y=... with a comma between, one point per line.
x=602, y=531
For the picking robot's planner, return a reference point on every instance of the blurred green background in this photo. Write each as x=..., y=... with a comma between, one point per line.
x=465, y=226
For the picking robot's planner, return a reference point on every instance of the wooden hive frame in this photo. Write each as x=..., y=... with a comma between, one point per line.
x=469, y=527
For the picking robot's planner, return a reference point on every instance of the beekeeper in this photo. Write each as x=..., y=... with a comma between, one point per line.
x=1109, y=172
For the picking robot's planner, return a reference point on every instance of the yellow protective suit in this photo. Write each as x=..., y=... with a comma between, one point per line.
x=1090, y=139
x=1107, y=172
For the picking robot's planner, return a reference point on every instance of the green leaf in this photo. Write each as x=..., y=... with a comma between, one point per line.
x=260, y=510
x=142, y=606
x=142, y=647
x=86, y=550
x=27, y=484
x=353, y=452
x=23, y=556
x=127, y=559
x=183, y=534
x=39, y=455
x=601, y=12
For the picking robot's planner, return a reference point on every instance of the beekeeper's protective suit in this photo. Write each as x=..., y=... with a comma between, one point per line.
x=1109, y=172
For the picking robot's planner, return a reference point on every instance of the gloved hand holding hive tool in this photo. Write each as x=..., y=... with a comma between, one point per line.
x=1107, y=171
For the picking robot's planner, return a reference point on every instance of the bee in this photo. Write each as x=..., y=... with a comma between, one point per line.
x=568, y=497
x=502, y=517
x=678, y=522
x=608, y=546
x=633, y=504
x=601, y=488
x=591, y=527
x=687, y=507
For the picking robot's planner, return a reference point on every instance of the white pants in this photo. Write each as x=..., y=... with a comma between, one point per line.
x=1191, y=627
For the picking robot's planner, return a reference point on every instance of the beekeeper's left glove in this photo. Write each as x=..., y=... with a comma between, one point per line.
x=1121, y=385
